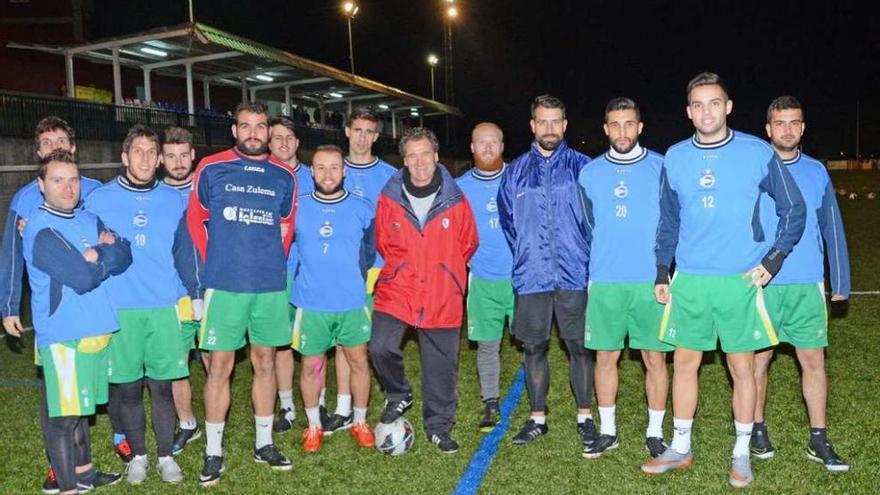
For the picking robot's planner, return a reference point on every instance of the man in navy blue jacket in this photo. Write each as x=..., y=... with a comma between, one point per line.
x=541, y=209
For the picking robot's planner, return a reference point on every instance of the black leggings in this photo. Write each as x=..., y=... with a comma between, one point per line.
x=67, y=443
x=538, y=373
x=130, y=400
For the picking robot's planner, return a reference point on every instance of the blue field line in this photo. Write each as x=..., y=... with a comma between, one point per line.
x=470, y=480
x=21, y=383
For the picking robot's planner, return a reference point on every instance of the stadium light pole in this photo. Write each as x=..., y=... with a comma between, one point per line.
x=350, y=9
x=451, y=14
x=432, y=62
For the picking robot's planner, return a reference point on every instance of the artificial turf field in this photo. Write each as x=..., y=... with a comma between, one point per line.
x=552, y=464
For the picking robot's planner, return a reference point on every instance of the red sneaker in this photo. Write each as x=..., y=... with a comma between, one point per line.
x=313, y=437
x=363, y=435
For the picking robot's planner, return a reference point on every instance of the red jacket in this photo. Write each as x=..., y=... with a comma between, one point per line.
x=424, y=277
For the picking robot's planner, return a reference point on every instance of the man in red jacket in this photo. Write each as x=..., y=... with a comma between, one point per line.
x=425, y=232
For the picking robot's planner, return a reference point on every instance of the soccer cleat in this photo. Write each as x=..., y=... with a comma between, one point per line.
x=759, y=445
x=50, y=485
x=312, y=438
x=169, y=471
x=395, y=409
x=667, y=461
x=602, y=444
x=656, y=446
x=284, y=423
x=490, y=416
x=740, y=472
x=826, y=455
x=211, y=470
x=445, y=443
x=123, y=450
x=98, y=480
x=363, y=435
x=336, y=422
x=269, y=454
x=587, y=431
x=322, y=414
x=184, y=437
x=136, y=470
x=529, y=432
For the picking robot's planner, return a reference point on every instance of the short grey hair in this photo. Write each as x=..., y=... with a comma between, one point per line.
x=415, y=134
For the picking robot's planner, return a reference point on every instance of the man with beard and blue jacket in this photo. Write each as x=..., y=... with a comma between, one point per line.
x=541, y=209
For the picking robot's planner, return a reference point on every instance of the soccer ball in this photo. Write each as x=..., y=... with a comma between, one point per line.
x=395, y=438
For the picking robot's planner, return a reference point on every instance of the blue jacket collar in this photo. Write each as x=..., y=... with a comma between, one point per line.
x=562, y=148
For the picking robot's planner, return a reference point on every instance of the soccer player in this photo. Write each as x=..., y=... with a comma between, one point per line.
x=795, y=297
x=178, y=159
x=283, y=145
x=540, y=206
x=241, y=218
x=425, y=231
x=710, y=187
x=623, y=208
x=490, y=293
x=335, y=247
x=148, y=349
x=69, y=254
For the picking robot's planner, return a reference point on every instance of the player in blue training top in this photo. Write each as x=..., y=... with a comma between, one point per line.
x=70, y=254
x=795, y=297
x=335, y=247
x=283, y=145
x=490, y=293
x=150, y=214
x=178, y=160
x=709, y=223
x=622, y=189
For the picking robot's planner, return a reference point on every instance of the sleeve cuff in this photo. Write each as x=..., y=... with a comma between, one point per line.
x=662, y=275
x=772, y=261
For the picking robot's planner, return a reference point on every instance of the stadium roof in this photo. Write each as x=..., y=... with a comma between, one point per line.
x=196, y=51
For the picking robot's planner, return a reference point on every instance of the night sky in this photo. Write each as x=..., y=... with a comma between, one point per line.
x=586, y=52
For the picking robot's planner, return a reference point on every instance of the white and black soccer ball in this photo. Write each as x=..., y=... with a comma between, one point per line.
x=395, y=438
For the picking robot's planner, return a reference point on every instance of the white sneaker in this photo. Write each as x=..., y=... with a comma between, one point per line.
x=168, y=470
x=136, y=471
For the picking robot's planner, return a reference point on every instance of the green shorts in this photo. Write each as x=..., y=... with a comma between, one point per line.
x=799, y=313
x=229, y=316
x=75, y=375
x=703, y=309
x=615, y=310
x=488, y=303
x=149, y=343
x=314, y=331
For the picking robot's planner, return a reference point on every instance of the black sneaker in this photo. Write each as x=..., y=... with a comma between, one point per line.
x=587, y=431
x=602, y=444
x=656, y=446
x=445, y=443
x=759, y=445
x=211, y=470
x=322, y=414
x=50, y=485
x=395, y=408
x=98, y=480
x=490, y=416
x=825, y=454
x=283, y=423
x=336, y=422
x=269, y=454
x=183, y=437
x=529, y=432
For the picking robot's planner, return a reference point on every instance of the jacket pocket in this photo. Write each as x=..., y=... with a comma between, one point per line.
x=388, y=278
x=453, y=277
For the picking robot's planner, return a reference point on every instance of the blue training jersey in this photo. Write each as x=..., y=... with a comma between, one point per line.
x=151, y=220
x=335, y=246
x=623, y=208
x=184, y=189
x=305, y=185
x=493, y=259
x=710, y=205
x=24, y=204
x=805, y=264
x=367, y=181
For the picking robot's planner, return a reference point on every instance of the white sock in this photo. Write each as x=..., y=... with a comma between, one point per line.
x=286, y=398
x=321, y=398
x=360, y=415
x=264, y=430
x=539, y=419
x=581, y=417
x=743, y=435
x=655, y=423
x=214, y=438
x=314, y=415
x=188, y=424
x=607, y=426
x=343, y=405
x=681, y=436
